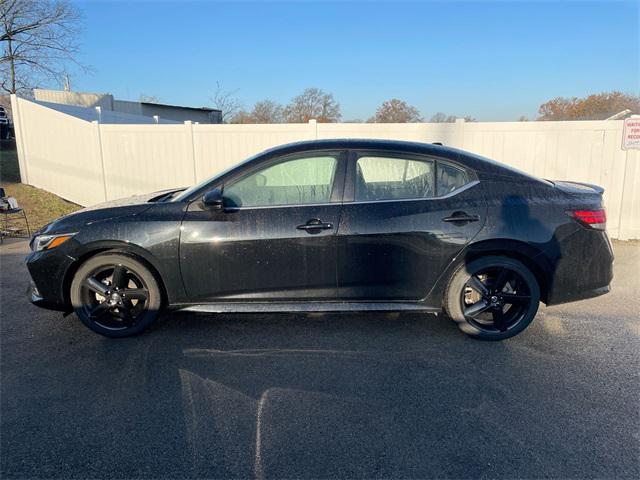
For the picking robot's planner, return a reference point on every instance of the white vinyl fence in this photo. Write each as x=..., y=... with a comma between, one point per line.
x=88, y=162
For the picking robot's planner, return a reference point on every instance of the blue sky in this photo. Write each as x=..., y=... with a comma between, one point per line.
x=491, y=60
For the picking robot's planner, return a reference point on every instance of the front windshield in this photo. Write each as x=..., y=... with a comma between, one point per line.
x=184, y=195
x=189, y=191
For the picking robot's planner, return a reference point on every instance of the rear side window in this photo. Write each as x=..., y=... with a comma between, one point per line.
x=388, y=178
x=450, y=178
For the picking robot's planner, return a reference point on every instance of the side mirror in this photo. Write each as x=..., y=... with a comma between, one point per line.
x=213, y=198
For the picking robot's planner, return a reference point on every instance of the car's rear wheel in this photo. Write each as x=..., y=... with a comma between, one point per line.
x=115, y=295
x=492, y=297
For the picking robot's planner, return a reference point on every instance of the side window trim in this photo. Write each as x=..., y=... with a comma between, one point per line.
x=354, y=155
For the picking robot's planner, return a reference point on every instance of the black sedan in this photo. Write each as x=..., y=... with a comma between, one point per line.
x=335, y=225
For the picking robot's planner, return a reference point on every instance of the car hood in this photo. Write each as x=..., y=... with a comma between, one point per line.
x=104, y=211
x=146, y=199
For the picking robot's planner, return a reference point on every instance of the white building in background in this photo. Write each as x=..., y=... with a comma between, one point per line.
x=106, y=102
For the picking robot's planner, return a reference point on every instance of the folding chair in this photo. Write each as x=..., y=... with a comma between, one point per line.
x=13, y=217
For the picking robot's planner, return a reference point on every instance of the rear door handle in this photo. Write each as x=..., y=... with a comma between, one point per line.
x=461, y=217
x=315, y=225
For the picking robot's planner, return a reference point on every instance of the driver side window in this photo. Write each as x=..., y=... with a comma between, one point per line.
x=292, y=182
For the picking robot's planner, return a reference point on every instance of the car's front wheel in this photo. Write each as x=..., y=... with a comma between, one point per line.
x=492, y=297
x=115, y=295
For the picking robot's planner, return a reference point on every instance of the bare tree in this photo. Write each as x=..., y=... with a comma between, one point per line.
x=313, y=103
x=144, y=98
x=227, y=102
x=593, y=107
x=396, y=111
x=264, y=111
x=240, y=116
x=267, y=111
x=443, y=118
x=39, y=39
x=440, y=118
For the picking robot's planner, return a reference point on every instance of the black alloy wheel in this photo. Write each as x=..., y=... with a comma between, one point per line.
x=493, y=297
x=115, y=295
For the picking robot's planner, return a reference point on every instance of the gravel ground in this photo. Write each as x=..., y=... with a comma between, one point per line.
x=358, y=395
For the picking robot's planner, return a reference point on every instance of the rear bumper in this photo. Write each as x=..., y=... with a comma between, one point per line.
x=584, y=268
x=582, y=295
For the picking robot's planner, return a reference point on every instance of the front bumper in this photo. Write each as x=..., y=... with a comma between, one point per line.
x=38, y=300
x=49, y=285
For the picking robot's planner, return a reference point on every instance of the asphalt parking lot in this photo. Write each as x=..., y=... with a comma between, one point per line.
x=284, y=396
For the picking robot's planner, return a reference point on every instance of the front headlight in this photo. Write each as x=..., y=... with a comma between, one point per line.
x=48, y=242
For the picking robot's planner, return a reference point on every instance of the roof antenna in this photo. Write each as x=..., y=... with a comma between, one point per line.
x=437, y=143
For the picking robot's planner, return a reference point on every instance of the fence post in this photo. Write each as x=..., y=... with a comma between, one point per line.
x=459, y=133
x=101, y=153
x=188, y=125
x=18, y=131
x=314, y=124
x=626, y=221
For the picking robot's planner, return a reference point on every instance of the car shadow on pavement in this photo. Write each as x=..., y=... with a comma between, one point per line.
x=310, y=396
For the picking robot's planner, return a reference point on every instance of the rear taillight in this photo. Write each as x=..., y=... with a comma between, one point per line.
x=591, y=218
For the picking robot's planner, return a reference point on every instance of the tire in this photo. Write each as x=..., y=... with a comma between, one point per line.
x=115, y=295
x=500, y=306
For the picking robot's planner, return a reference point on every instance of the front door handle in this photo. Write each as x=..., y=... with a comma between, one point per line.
x=315, y=225
x=461, y=217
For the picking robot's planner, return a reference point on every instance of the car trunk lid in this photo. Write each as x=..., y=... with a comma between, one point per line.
x=587, y=204
x=578, y=188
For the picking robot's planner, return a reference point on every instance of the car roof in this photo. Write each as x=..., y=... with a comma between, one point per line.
x=363, y=143
x=467, y=159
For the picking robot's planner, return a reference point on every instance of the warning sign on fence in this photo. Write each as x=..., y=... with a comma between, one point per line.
x=631, y=133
